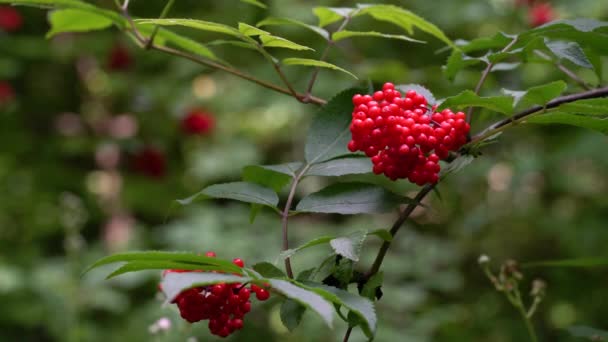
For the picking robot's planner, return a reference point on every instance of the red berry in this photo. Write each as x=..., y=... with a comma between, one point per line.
x=119, y=58
x=7, y=94
x=210, y=254
x=10, y=19
x=151, y=162
x=541, y=14
x=262, y=294
x=239, y=262
x=198, y=122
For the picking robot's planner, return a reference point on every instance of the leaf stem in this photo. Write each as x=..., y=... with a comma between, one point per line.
x=485, y=74
x=285, y=217
x=163, y=14
x=565, y=70
x=519, y=304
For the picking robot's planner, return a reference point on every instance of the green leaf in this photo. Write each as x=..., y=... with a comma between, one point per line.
x=314, y=242
x=329, y=132
x=264, y=176
x=580, y=262
x=360, y=306
x=496, y=42
x=174, y=283
x=236, y=43
x=181, y=257
x=404, y=19
x=173, y=39
x=306, y=274
x=383, y=234
x=193, y=23
x=251, y=31
x=458, y=61
x=351, y=198
x=329, y=15
x=341, y=167
x=315, y=63
x=306, y=297
x=589, y=333
x=274, y=41
x=597, y=107
x=583, y=121
x=291, y=314
x=268, y=270
x=369, y=289
x=404, y=88
x=344, y=34
x=240, y=191
x=570, y=51
x=274, y=21
x=588, y=33
x=135, y=266
x=349, y=246
x=287, y=168
x=255, y=3
x=541, y=95
x=501, y=104
x=76, y=20
x=75, y=4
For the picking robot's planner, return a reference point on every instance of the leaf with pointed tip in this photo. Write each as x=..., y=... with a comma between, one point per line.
x=341, y=167
x=193, y=23
x=272, y=21
x=500, y=104
x=351, y=198
x=236, y=43
x=329, y=132
x=583, y=121
x=458, y=61
x=174, y=283
x=329, y=15
x=240, y=191
x=251, y=31
x=570, y=51
x=314, y=242
x=76, y=20
x=268, y=270
x=404, y=88
x=541, y=95
x=349, y=246
x=315, y=63
x=278, y=42
x=496, y=42
x=169, y=38
x=75, y=4
x=596, y=107
x=291, y=314
x=344, y=34
x=306, y=297
x=255, y=3
x=264, y=176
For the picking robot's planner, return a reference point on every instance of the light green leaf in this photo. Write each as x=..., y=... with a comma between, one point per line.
x=349, y=246
x=306, y=297
x=328, y=134
x=315, y=63
x=329, y=15
x=349, y=34
x=76, y=20
x=458, y=61
x=341, y=167
x=314, y=242
x=251, y=31
x=255, y=3
x=193, y=23
x=237, y=43
x=496, y=42
x=274, y=41
x=351, y=198
x=75, y=4
x=268, y=270
x=240, y=191
x=174, y=283
x=383, y=234
x=272, y=21
x=500, y=104
x=169, y=38
x=291, y=314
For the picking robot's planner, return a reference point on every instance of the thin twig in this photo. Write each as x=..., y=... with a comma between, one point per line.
x=347, y=334
x=565, y=70
x=163, y=14
x=485, y=74
x=285, y=217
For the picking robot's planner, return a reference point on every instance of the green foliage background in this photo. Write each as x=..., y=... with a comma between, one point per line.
x=538, y=194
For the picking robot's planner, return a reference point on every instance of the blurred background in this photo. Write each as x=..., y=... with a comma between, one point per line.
x=98, y=138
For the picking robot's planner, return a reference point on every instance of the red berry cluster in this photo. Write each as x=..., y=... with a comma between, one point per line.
x=198, y=122
x=224, y=305
x=403, y=138
x=10, y=19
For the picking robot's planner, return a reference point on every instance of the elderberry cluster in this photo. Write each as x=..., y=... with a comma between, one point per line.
x=224, y=305
x=402, y=136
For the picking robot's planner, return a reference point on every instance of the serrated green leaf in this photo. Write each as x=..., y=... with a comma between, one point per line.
x=349, y=246
x=458, y=61
x=496, y=42
x=278, y=42
x=255, y=3
x=360, y=306
x=583, y=121
x=181, y=257
x=76, y=20
x=135, y=266
x=500, y=104
x=404, y=88
x=251, y=31
x=291, y=314
x=314, y=242
x=264, y=176
x=268, y=270
x=273, y=21
x=344, y=34
x=75, y=4
x=579, y=262
x=329, y=15
x=315, y=63
x=404, y=19
x=329, y=132
x=306, y=297
x=351, y=198
x=589, y=333
x=174, y=283
x=383, y=234
x=570, y=51
x=588, y=33
x=202, y=25
x=374, y=282
x=341, y=167
x=287, y=168
x=342, y=273
x=240, y=191
x=541, y=95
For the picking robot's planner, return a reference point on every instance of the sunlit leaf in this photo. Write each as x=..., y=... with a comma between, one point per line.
x=315, y=63
x=337, y=36
x=75, y=20
x=278, y=42
x=271, y=21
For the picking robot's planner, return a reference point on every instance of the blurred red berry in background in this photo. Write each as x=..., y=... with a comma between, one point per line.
x=150, y=162
x=10, y=19
x=7, y=94
x=119, y=58
x=198, y=122
x=541, y=14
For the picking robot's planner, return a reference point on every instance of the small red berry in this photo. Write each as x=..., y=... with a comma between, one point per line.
x=239, y=262
x=119, y=58
x=198, y=122
x=7, y=94
x=210, y=254
x=150, y=162
x=10, y=19
x=262, y=294
x=541, y=14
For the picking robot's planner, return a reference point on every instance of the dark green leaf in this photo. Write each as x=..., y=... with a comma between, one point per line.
x=458, y=61
x=306, y=274
x=370, y=288
x=496, y=42
x=584, y=121
x=278, y=42
x=268, y=270
x=135, y=266
x=344, y=34
x=351, y=198
x=315, y=63
x=254, y=211
x=501, y=104
x=291, y=314
x=598, y=107
x=270, y=21
x=404, y=88
x=582, y=262
x=456, y=165
x=265, y=176
x=540, y=95
x=287, y=168
x=240, y=191
x=306, y=297
x=383, y=234
x=314, y=242
x=589, y=333
x=174, y=283
x=570, y=51
x=328, y=134
x=76, y=20
x=341, y=167
x=349, y=246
